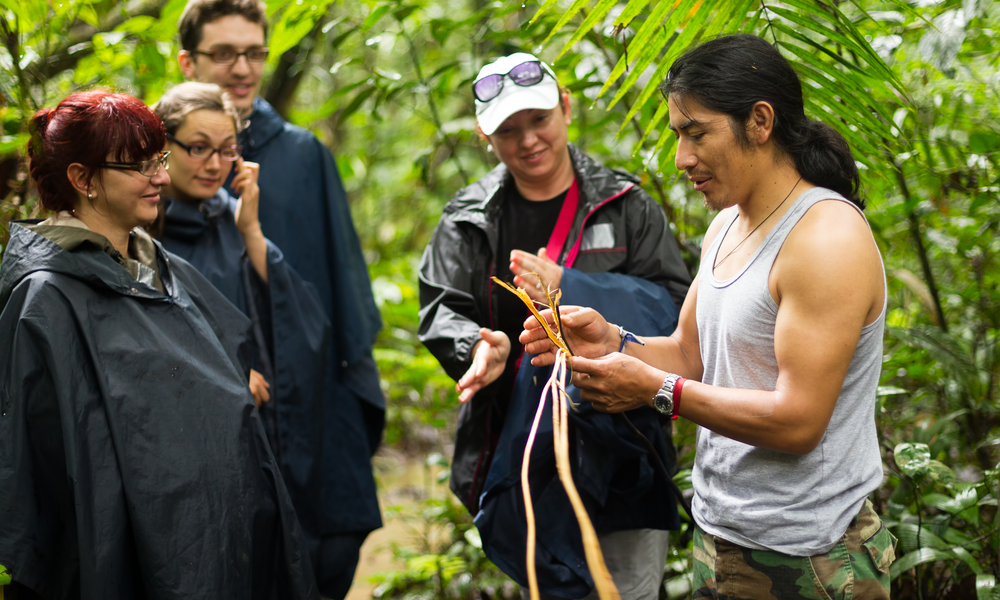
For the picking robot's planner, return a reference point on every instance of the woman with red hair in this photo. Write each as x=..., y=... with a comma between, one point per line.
x=133, y=463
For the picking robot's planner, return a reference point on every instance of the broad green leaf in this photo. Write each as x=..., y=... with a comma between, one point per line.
x=448, y=66
x=401, y=13
x=912, y=459
x=338, y=40
x=374, y=16
x=939, y=472
x=963, y=500
x=984, y=142
x=137, y=24
x=89, y=15
x=970, y=561
x=919, y=557
x=912, y=538
x=297, y=21
x=356, y=103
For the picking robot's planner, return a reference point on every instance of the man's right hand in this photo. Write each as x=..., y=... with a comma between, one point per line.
x=489, y=358
x=587, y=332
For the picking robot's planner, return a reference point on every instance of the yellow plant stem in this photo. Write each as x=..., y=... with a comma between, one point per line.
x=555, y=388
x=555, y=336
x=606, y=589
x=529, y=509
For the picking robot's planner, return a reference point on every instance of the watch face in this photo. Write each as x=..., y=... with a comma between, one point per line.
x=663, y=403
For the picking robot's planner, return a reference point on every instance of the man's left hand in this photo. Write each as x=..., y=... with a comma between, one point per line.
x=616, y=382
x=533, y=272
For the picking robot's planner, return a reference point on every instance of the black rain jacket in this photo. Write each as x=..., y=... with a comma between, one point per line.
x=456, y=293
x=133, y=463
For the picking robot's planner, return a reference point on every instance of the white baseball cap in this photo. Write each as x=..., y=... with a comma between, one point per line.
x=513, y=98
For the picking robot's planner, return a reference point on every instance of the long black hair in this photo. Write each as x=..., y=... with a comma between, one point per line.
x=730, y=74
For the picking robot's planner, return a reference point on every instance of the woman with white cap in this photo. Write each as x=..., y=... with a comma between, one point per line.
x=549, y=215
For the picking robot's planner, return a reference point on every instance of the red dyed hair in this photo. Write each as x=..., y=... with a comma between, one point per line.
x=88, y=128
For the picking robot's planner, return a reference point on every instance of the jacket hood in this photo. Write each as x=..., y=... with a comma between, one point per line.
x=29, y=252
x=478, y=201
x=263, y=124
x=187, y=222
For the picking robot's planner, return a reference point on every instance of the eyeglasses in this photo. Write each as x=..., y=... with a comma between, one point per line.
x=228, y=56
x=147, y=167
x=203, y=152
x=525, y=74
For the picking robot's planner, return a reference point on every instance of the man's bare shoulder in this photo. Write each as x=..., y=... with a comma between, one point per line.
x=830, y=251
x=832, y=227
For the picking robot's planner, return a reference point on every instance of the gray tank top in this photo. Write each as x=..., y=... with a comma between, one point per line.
x=765, y=499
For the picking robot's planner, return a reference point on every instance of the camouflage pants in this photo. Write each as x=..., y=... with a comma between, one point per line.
x=856, y=568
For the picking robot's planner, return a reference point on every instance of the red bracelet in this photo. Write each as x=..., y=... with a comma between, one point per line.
x=677, y=397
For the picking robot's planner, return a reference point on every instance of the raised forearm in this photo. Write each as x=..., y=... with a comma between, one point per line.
x=256, y=245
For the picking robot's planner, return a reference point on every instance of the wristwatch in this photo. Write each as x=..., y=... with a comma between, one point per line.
x=663, y=401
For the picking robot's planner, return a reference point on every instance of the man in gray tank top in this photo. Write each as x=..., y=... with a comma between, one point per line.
x=779, y=348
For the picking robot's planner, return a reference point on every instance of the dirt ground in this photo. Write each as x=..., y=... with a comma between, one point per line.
x=404, y=481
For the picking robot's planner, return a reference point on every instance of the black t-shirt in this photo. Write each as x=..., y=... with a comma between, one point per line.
x=524, y=225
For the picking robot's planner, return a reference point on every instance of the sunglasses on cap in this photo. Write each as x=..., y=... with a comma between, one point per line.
x=525, y=74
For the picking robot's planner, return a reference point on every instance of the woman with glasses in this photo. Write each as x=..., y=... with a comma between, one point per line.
x=221, y=237
x=549, y=215
x=132, y=461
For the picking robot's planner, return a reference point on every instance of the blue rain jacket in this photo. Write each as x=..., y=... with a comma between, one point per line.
x=304, y=211
x=611, y=468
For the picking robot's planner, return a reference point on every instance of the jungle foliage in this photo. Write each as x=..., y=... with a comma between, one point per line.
x=912, y=85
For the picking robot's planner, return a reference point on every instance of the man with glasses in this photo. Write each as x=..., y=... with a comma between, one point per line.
x=304, y=211
x=549, y=215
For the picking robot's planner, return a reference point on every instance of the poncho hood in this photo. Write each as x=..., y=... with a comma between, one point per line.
x=29, y=252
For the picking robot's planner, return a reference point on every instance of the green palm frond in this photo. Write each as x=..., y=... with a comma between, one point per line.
x=844, y=78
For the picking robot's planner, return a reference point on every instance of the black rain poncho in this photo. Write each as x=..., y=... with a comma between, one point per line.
x=292, y=337
x=133, y=463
